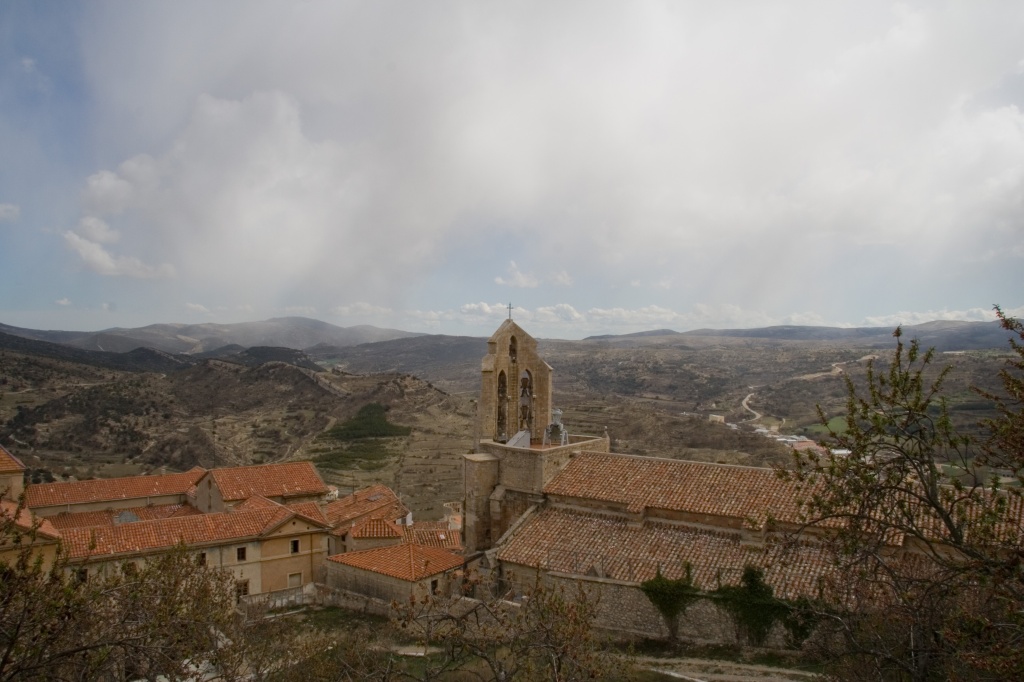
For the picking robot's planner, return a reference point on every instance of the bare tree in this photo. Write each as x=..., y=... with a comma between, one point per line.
x=930, y=582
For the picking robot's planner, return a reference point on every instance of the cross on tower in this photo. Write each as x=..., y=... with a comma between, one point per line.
x=510, y=311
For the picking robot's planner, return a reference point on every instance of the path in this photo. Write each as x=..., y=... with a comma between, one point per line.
x=709, y=670
x=757, y=415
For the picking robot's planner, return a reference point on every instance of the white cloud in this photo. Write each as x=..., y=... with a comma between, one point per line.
x=488, y=310
x=791, y=157
x=920, y=317
x=9, y=213
x=63, y=301
x=198, y=308
x=362, y=309
x=517, y=278
x=561, y=312
x=106, y=193
x=97, y=230
x=101, y=261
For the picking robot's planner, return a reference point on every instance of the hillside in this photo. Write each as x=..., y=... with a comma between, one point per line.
x=289, y=332
x=65, y=419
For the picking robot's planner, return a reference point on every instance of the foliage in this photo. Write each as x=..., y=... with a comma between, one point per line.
x=671, y=597
x=548, y=635
x=135, y=621
x=370, y=422
x=752, y=605
x=928, y=580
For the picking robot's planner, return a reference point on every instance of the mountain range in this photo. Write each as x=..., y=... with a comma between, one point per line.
x=286, y=332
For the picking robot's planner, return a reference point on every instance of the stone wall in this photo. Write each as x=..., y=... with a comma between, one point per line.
x=625, y=612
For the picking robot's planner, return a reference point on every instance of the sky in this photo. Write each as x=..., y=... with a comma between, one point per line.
x=603, y=167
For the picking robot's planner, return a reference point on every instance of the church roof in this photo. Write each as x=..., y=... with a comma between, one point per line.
x=639, y=483
x=581, y=543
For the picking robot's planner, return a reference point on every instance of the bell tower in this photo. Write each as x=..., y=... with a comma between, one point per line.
x=515, y=388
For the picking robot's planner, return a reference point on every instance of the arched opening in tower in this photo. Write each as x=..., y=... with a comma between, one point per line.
x=501, y=426
x=526, y=401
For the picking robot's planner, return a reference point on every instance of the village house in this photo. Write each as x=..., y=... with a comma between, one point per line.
x=266, y=525
x=395, y=572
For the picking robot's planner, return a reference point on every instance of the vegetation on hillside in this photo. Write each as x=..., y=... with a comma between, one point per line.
x=370, y=422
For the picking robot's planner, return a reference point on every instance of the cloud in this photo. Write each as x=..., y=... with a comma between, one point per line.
x=668, y=155
x=63, y=302
x=517, y=278
x=920, y=317
x=561, y=312
x=302, y=310
x=198, y=308
x=101, y=261
x=97, y=230
x=9, y=213
x=362, y=309
x=485, y=310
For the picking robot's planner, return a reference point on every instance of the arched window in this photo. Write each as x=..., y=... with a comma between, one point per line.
x=526, y=401
x=513, y=348
x=501, y=426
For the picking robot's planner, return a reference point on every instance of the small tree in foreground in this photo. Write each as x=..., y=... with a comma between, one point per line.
x=929, y=579
x=158, y=618
x=548, y=635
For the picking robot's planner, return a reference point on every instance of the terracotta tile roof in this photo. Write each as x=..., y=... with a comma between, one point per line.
x=26, y=520
x=377, y=502
x=290, y=479
x=434, y=534
x=581, y=543
x=161, y=534
x=311, y=510
x=376, y=528
x=9, y=463
x=405, y=561
x=256, y=502
x=307, y=510
x=637, y=483
x=111, y=489
x=111, y=517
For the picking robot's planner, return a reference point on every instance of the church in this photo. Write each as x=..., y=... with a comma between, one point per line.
x=542, y=502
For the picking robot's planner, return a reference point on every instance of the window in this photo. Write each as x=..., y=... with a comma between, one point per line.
x=82, y=574
x=294, y=580
x=295, y=546
x=201, y=559
x=241, y=589
x=240, y=554
x=433, y=587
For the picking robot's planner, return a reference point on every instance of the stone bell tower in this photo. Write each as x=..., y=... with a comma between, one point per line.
x=515, y=389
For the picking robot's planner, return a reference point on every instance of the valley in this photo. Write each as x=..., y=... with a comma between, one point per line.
x=83, y=414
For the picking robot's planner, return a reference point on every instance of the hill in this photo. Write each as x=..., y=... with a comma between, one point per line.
x=288, y=332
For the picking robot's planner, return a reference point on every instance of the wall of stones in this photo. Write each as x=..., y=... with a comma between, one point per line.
x=625, y=612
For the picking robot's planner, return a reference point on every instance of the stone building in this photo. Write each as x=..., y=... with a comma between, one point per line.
x=396, y=572
x=549, y=505
x=521, y=446
x=268, y=528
